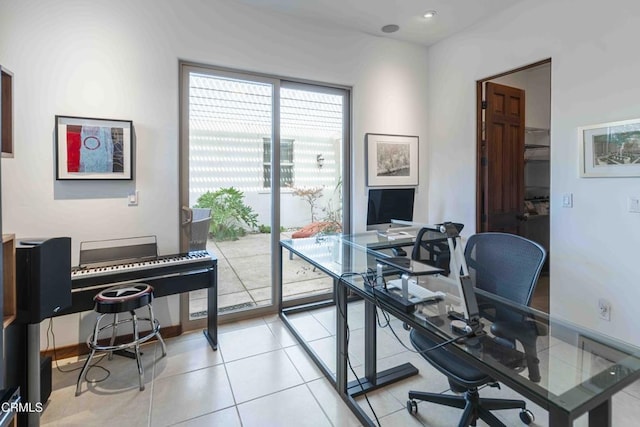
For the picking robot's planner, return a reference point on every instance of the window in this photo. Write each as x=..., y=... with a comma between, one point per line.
x=286, y=162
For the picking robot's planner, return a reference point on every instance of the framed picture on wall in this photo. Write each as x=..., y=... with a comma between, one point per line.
x=610, y=149
x=88, y=148
x=391, y=160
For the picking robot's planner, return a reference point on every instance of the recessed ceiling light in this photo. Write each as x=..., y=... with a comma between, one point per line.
x=391, y=28
x=429, y=14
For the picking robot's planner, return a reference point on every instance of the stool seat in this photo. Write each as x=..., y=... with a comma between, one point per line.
x=116, y=300
x=120, y=299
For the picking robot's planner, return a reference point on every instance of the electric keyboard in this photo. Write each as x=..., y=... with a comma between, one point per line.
x=187, y=260
x=170, y=274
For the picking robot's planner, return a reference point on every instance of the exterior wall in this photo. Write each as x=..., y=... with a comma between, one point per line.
x=236, y=160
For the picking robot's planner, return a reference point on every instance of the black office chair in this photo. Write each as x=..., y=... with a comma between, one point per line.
x=433, y=253
x=509, y=266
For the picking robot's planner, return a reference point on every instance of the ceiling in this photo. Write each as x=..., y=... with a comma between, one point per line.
x=369, y=16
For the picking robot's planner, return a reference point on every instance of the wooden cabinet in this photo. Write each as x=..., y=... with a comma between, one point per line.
x=6, y=112
x=9, y=278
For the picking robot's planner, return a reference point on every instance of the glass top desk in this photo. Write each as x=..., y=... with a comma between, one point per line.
x=566, y=369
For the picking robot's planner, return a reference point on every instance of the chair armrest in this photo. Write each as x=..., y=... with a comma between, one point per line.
x=527, y=332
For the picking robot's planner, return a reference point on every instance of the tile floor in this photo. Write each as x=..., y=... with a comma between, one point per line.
x=261, y=377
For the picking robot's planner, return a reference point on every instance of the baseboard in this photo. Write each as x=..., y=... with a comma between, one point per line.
x=80, y=349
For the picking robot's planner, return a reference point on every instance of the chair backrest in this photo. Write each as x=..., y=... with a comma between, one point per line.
x=200, y=213
x=433, y=253
x=505, y=264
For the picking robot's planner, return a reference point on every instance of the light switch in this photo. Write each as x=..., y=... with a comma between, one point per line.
x=567, y=200
x=133, y=198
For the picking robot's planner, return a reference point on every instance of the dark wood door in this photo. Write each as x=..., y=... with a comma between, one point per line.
x=502, y=162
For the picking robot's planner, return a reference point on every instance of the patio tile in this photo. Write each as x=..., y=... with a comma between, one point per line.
x=261, y=295
x=258, y=244
x=244, y=273
x=228, y=280
x=307, y=287
x=298, y=270
x=254, y=271
x=235, y=298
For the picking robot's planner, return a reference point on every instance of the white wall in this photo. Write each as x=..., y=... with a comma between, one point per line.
x=594, y=80
x=119, y=59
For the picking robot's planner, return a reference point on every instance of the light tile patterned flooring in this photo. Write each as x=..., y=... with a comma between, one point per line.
x=261, y=377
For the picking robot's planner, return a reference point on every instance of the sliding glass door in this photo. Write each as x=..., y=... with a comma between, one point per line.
x=312, y=126
x=264, y=159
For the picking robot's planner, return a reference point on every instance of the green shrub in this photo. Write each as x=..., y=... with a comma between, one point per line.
x=266, y=229
x=228, y=213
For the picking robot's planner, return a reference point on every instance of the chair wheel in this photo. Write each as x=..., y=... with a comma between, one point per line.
x=406, y=326
x=412, y=407
x=526, y=416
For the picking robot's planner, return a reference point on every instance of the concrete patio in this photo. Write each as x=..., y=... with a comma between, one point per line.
x=244, y=275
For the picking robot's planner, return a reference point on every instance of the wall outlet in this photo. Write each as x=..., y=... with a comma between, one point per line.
x=567, y=200
x=604, y=309
x=633, y=204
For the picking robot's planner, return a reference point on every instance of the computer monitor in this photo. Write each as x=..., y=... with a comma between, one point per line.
x=387, y=204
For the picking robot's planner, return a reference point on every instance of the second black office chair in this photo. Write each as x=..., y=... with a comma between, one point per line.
x=509, y=266
x=435, y=253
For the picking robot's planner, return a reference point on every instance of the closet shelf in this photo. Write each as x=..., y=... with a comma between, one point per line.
x=535, y=130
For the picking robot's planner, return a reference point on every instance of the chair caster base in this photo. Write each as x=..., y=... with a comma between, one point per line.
x=412, y=407
x=527, y=417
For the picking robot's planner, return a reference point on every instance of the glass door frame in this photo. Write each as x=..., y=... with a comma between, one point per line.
x=345, y=165
x=185, y=68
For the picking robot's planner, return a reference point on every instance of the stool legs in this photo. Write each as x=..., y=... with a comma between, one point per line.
x=113, y=333
x=152, y=319
x=136, y=338
x=92, y=342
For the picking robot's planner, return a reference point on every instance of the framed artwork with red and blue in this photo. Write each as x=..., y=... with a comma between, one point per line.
x=89, y=148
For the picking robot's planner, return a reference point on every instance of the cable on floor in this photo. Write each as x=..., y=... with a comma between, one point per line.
x=55, y=358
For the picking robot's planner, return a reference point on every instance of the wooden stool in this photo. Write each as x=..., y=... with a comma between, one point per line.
x=116, y=300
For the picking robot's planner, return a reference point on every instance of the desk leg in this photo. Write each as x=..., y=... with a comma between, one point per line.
x=600, y=416
x=211, y=333
x=341, y=335
x=370, y=342
x=559, y=418
x=374, y=379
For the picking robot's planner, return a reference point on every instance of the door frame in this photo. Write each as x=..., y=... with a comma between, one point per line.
x=480, y=85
